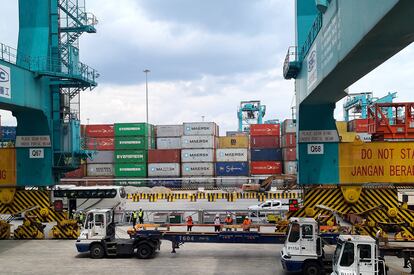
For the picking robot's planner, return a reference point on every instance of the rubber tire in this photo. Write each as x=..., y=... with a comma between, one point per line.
x=312, y=268
x=97, y=251
x=145, y=251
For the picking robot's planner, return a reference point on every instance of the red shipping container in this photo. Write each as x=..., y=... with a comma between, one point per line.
x=266, y=167
x=358, y=125
x=289, y=154
x=264, y=142
x=98, y=131
x=164, y=156
x=100, y=144
x=289, y=140
x=265, y=130
x=77, y=174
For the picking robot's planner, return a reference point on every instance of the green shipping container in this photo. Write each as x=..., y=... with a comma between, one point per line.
x=134, y=143
x=130, y=156
x=126, y=170
x=133, y=129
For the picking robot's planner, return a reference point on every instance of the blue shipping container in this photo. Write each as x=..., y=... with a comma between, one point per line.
x=232, y=169
x=165, y=183
x=266, y=154
x=7, y=133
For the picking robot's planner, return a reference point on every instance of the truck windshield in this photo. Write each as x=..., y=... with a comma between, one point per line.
x=294, y=233
x=348, y=255
x=337, y=253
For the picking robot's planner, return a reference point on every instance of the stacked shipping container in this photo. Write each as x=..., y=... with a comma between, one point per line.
x=165, y=161
x=288, y=142
x=100, y=138
x=265, y=152
x=132, y=142
x=232, y=161
x=198, y=152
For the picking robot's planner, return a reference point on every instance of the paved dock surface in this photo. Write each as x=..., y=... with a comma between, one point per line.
x=61, y=257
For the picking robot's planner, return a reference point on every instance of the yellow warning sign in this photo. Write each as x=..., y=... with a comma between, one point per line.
x=7, y=167
x=382, y=162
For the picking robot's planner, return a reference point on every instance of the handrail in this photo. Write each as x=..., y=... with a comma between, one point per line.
x=46, y=64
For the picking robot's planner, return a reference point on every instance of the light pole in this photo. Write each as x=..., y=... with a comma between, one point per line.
x=146, y=71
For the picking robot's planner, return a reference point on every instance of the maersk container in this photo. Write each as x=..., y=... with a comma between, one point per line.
x=99, y=130
x=200, y=129
x=289, y=154
x=163, y=170
x=130, y=156
x=165, y=183
x=198, y=142
x=7, y=133
x=289, y=126
x=233, y=142
x=164, y=156
x=126, y=170
x=102, y=157
x=266, y=167
x=133, y=143
x=264, y=142
x=290, y=167
x=100, y=170
x=197, y=169
x=169, y=143
x=232, y=155
x=266, y=154
x=232, y=169
x=231, y=182
x=100, y=144
x=169, y=130
x=197, y=155
x=288, y=140
x=133, y=129
x=236, y=134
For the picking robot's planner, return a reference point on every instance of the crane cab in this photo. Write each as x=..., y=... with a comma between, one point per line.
x=357, y=255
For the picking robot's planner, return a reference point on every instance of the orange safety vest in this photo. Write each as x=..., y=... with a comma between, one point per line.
x=228, y=220
x=247, y=222
x=190, y=221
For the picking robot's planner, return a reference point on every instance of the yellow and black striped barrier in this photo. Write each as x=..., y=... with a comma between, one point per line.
x=4, y=230
x=230, y=197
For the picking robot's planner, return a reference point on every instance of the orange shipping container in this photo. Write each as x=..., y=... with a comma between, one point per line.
x=265, y=130
x=7, y=167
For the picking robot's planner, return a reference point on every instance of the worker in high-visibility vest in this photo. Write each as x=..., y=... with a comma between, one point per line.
x=189, y=223
x=246, y=224
x=141, y=216
x=134, y=218
x=228, y=221
x=81, y=217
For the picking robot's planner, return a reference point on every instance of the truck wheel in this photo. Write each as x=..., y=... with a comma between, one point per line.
x=145, y=251
x=97, y=251
x=311, y=268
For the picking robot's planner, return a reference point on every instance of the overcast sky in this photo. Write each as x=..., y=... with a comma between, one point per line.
x=204, y=56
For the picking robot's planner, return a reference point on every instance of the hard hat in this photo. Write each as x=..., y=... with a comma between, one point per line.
x=228, y=215
x=246, y=217
x=217, y=215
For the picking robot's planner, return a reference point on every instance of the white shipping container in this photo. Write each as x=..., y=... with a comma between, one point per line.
x=102, y=157
x=169, y=143
x=232, y=155
x=100, y=170
x=201, y=129
x=163, y=170
x=198, y=142
x=169, y=130
x=231, y=182
x=197, y=169
x=290, y=167
x=364, y=137
x=289, y=126
x=197, y=155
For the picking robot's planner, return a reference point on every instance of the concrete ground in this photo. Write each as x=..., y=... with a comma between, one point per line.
x=61, y=257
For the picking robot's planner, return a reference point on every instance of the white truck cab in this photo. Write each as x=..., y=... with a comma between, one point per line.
x=356, y=254
x=98, y=225
x=302, y=251
x=268, y=205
